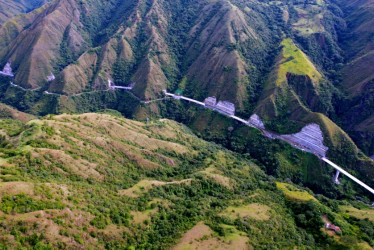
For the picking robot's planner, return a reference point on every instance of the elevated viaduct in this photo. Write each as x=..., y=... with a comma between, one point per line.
x=309, y=139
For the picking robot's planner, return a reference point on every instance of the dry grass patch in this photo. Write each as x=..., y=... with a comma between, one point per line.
x=217, y=176
x=18, y=187
x=70, y=222
x=3, y=161
x=9, y=112
x=169, y=129
x=113, y=231
x=359, y=213
x=165, y=128
x=78, y=166
x=294, y=193
x=59, y=188
x=120, y=129
x=161, y=158
x=141, y=217
x=145, y=185
x=254, y=211
x=202, y=237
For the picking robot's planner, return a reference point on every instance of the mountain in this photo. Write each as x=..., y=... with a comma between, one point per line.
x=357, y=77
x=103, y=181
x=7, y=112
x=74, y=173
x=149, y=45
x=11, y=8
x=291, y=62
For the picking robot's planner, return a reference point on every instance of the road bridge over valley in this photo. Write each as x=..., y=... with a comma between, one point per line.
x=309, y=139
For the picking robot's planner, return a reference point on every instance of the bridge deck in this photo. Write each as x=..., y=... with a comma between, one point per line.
x=6, y=74
x=122, y=87
x=192, y=100
x=348, y=175
x=239, y=119
x=310, y=146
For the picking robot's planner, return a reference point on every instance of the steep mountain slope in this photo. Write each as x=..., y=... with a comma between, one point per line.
x=7, y=112
x=102, y=181
x=294, y=90
x=359, y=17
x=357, y=75
x=10, y=8
x=153, y=45
x=11, y=28
x=291, y=62
x=359, y=46
x=44, y=38
x=227, y=54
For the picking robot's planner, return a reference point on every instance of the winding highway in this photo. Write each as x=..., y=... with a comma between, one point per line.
x=266, y=133
x=285, y=138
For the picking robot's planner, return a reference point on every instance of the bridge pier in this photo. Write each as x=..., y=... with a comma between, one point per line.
x=336, y=178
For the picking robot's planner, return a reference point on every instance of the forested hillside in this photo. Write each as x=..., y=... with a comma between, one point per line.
x=102, y=181
x=290, y=62
x=79, y=179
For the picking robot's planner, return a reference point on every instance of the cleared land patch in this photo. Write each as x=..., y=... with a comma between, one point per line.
x=296, y=62
x=217, y=176
x=254, y=210
x=359, y=213
x=145, y=185
x=202, y=237
x=294, y=193
x=12, y=188
x=309, y=20
x=141, y=217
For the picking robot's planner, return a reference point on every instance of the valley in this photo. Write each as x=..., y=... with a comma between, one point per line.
x=311, y=141
x=228, y=124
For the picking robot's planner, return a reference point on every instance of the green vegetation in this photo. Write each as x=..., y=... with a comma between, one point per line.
x=295, y=61
x=102, y=181
x=254, y=211
x=182, y=51
x=360, y=213
x=11, y=127
x=294, y=193
x=23, y=204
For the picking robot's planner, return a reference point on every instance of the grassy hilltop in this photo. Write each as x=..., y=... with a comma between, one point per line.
x=99, y=180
